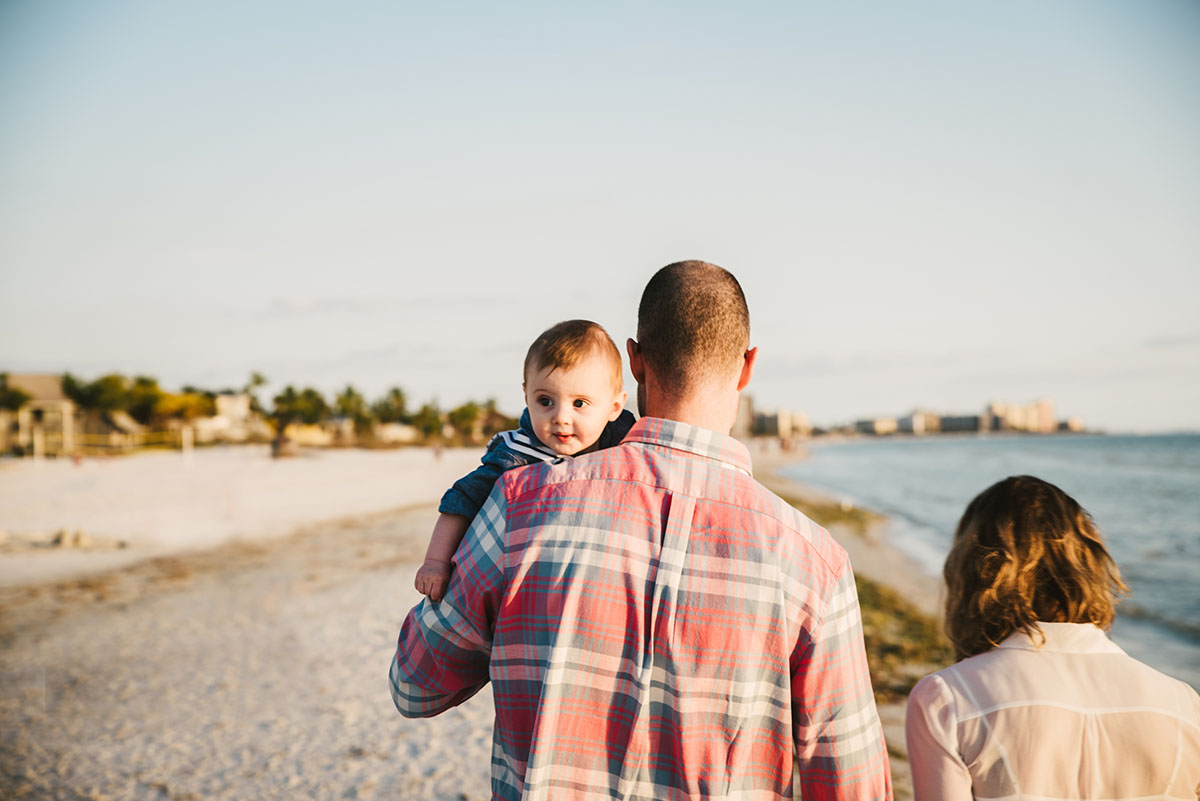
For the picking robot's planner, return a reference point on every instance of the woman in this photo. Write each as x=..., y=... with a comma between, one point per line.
x=1042, y=704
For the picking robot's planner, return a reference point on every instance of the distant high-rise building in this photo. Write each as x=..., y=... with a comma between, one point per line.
x=920, y=422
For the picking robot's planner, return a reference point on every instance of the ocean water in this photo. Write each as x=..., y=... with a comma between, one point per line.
x=1142, y=491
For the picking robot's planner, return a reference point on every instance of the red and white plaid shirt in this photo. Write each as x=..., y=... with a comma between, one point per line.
x=656, y=625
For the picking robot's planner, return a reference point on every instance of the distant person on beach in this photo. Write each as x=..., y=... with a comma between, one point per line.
x=574, y=404
x=654, y=622
x=1042, y=704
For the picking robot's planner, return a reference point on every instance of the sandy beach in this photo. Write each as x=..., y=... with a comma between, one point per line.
x=237, y=645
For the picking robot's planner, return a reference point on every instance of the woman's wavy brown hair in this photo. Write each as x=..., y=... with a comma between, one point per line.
x=1025, y=551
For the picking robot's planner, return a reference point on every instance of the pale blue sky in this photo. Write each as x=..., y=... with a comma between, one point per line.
x=928, y=204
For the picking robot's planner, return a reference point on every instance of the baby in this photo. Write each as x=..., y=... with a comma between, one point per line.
x=575, y=404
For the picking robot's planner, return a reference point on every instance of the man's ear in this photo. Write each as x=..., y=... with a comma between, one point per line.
x=747, y=368
x=637, y=364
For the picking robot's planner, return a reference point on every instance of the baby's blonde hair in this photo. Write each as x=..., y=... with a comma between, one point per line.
x=563, y=345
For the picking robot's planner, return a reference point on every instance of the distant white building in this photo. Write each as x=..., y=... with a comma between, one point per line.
x=396, y=434
x=919, y=422
x=879, y=426
x=782, y=423
x=235, y=421
x=1037, y=417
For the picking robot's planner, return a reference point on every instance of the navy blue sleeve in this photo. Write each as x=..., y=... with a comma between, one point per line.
x=467, y=495
x=615, y=431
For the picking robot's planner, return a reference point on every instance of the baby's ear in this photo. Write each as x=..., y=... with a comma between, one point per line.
x=618, y=406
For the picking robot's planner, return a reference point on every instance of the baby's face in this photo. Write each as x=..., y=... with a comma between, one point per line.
x=569, y=408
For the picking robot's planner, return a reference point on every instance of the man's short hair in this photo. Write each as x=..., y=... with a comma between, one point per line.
x=1025, y=552
x=563, y=345
x=693, y=325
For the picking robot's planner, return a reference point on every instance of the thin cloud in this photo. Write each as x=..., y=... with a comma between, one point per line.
x=1166, y=342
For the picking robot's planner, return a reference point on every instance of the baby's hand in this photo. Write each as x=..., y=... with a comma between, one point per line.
x=432, y=578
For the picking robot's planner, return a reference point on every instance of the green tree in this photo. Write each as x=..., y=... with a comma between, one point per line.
x=307, y=406
x=286, y=408
x=428, y=420
x=494, y=421
x=313, y=408
x=350, y=403
x=108, y=393
x=256, y=382
x=144, y=398
x=392, y=407
x=462, y=419
x=184, y=406
x=11, y=398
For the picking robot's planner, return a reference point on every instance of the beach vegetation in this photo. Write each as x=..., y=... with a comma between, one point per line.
x=903, y=644
x=108, y=393
x=305, y=406
x=392, y=407
x=428, y=420
x=11, y=398
x=183, y=406
x=858, y=519
x=256, y=382
x=114, y=401
x=855, y=518
x=351, y=404
x=144, y=398
x=464, y=419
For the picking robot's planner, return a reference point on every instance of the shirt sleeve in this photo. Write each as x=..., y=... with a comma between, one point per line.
x=840, y=751
x=615, y=431
x=445, y=647
x=931, y=731
x=467, y=495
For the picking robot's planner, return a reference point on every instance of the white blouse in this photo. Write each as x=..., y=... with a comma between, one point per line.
x=1074, y=719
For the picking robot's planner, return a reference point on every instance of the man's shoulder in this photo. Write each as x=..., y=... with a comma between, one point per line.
x=609, y=464
x=728, y=489
x=798, y=532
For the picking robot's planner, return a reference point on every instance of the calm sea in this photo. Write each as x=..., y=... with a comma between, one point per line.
x=1143, y=491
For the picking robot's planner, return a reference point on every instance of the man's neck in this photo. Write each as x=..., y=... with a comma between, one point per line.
x=704, y=410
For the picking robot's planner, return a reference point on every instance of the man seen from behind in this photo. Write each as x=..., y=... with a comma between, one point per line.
x=654, y=622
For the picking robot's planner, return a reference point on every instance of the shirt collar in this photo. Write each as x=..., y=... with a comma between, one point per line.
x=693, y=439
x=1079, y=638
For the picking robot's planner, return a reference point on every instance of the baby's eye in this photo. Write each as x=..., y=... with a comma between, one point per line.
x=580, y=403
x=544, y=401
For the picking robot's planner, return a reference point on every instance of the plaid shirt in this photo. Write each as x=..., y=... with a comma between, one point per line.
x=656, y=625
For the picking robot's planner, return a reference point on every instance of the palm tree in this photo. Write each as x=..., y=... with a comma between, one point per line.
x=11, y=398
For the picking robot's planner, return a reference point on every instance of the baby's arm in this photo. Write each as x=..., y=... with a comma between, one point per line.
x=457, y=509
x=434, y=574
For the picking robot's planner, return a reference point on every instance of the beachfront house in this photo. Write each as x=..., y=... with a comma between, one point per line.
x=45, y=424
x=235, y=421
x=396, y=434
x=108, y=431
